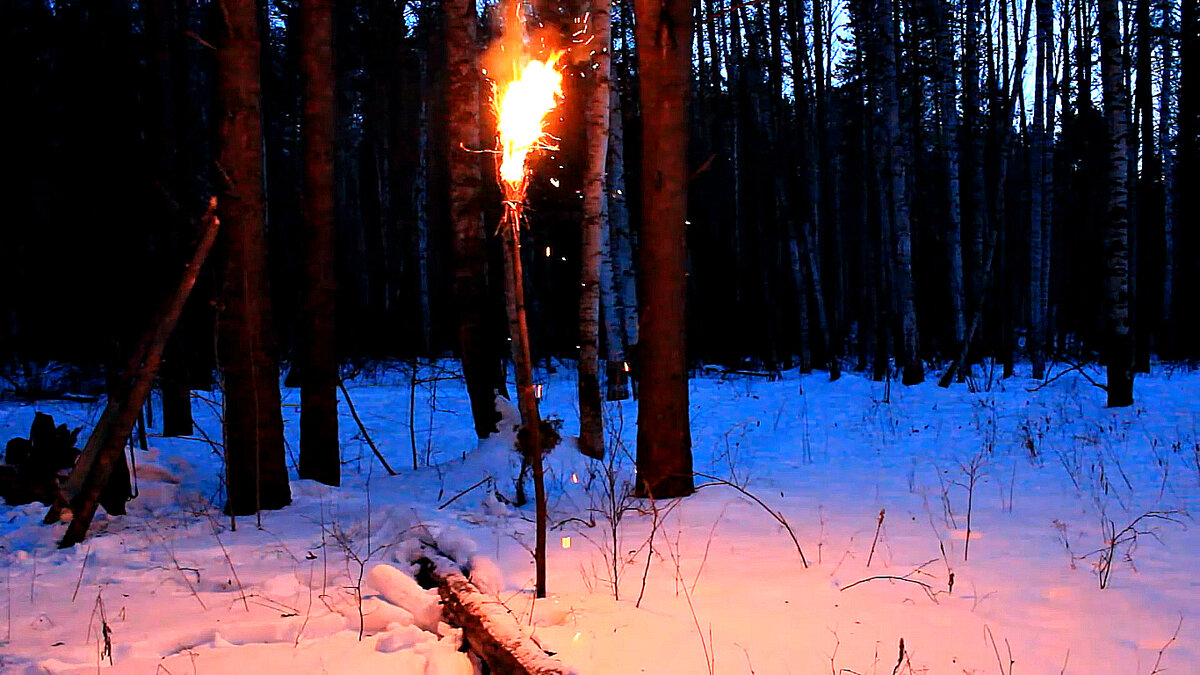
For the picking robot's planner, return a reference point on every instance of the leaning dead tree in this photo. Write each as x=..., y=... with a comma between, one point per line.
x=105, y=449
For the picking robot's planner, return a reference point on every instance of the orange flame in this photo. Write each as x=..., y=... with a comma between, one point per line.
x=522, y=106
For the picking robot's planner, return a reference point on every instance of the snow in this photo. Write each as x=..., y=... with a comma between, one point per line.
x=712, y=582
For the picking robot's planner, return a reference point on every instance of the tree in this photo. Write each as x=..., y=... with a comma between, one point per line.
x=1119, y=348
x=481, y=364
x=1040, y=167
x=948, y=128
x=319, y=448
x=256, y=472
x=1187, y=166
x=664, y=444
x=591, y=426
x=894, y=148
x=621, y=303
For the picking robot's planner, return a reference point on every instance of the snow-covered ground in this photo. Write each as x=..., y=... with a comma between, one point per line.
x=873, y=482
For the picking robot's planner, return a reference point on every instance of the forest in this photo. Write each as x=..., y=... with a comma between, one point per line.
x=321, y=288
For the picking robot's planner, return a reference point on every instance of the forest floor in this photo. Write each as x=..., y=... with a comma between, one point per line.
x=879, y=485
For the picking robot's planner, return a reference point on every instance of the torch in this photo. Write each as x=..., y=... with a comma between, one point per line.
x=521, y=107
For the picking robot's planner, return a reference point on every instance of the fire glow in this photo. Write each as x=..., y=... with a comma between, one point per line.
x=521, y=109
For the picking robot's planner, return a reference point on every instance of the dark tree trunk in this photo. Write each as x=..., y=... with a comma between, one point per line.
x=320, y=458
x=161, y=24
x=256, y=472
x=896, y=187
x=1187, y=173
x=481, y=365
x=664, y=445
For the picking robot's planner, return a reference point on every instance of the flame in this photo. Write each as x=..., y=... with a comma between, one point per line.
x=522, y=106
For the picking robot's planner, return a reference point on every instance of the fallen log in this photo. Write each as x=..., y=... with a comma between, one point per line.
x=490, y=631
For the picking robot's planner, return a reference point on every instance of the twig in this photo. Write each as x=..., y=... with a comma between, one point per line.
x=987, y=631
x=774, y=514
x=81, y=569
x=878, y=526
x=878, y=577
x=900, y=659
x=450, y=501
x=362, y=428
x=1162, y=651
x=1075, y=367
x=212, y=522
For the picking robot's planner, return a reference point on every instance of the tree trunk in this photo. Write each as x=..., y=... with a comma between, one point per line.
x=1166, y=103
x=664, y=446
x=897, y=188
x=975, y=205
x=1039, y=200
x=591, y=426
x=948, y=107
x=320, y=458
x=623, y=277
x=480, y=363
x=1119, y=351
x=420, y=197
x=1148, y=183
x=162, y=23
x=256, y=471
x=1187, y=171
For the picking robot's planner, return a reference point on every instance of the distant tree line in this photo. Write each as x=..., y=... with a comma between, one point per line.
x=872, y=183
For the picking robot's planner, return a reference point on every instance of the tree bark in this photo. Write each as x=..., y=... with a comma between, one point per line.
x=664, y=445
x=1119, y=351
x=256, y=471
x=897, y=188
x=948, y=108
x=591, y=426
x=624, y=274
x=1039, y=200
x=1187, y=171
x=320, y=458
x=1166, y=103
x=481, y=366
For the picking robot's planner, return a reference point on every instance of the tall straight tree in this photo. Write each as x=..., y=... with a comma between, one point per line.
x=591, y=426
x=1187, y=163
x=948, y=129
x=162, y=24
x=1039, y=199
x=481, y=364
x=256, y=471
x=1166, y=108
x=319, y=451
x=664, y=444
x=1119, y=348
x=887, y=127
x=622, y=341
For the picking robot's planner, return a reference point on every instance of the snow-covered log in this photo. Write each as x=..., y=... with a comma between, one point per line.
x=490, y=631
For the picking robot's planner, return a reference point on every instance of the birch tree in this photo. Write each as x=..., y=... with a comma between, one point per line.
x=591, y=428
x=1119, y=350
